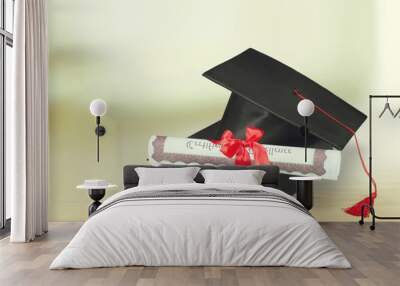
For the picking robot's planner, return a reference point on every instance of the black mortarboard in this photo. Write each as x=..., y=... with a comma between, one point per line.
x=262, y=96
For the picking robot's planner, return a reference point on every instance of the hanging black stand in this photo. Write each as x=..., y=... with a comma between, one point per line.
x=370, y=206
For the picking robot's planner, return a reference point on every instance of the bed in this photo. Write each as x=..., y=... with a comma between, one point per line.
x=198, y=224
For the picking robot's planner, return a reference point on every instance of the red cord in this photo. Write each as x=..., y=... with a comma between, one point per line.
x=352, y=132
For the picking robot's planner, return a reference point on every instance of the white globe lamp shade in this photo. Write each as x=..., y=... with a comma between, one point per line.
x=305, y=107
x=98, y=107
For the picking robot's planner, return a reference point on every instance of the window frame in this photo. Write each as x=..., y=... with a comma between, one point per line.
x=6, y=39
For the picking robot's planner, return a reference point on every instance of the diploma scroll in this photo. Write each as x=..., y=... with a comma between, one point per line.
x=163, y=150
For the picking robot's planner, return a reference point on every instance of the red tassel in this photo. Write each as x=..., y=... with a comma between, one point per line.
x=356, y=209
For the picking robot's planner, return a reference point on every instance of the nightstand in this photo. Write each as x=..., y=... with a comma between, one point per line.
x=304, y=186
x=96, y=190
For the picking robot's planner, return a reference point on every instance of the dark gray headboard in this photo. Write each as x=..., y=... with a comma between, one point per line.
x=271, y=178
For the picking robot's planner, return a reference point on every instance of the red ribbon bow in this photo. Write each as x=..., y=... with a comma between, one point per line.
x=231, y=146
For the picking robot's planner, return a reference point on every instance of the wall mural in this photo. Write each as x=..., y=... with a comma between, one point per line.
x=150, y=75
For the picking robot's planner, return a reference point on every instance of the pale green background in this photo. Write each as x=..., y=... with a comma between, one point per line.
x=145, y=58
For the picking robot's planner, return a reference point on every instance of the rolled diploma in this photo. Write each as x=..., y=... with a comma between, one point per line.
x=164, y=150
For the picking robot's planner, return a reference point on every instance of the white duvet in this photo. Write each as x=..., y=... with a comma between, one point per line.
x=200, y=231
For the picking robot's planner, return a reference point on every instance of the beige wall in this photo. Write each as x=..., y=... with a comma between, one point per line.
x=145, y=58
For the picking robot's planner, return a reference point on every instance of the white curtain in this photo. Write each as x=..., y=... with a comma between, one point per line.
x=27, y=123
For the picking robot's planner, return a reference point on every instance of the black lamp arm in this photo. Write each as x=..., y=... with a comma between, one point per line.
x=305, y=137
x=100, y=131
x=98, y=138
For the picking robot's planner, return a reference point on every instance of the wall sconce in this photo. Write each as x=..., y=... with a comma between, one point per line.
x=98, y=108
x=305, y=108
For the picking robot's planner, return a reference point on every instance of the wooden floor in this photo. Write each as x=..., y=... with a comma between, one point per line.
x=375, y=257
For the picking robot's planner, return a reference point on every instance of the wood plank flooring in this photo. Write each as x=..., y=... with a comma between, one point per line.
x=375, y=257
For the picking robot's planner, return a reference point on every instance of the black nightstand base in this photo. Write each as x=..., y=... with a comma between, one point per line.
x=305, y=193
x=96, y=195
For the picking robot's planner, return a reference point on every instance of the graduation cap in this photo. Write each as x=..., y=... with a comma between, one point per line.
x=262, y=95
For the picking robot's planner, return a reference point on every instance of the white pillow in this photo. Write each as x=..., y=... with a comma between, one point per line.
x=248, y=177
x=165, y=176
